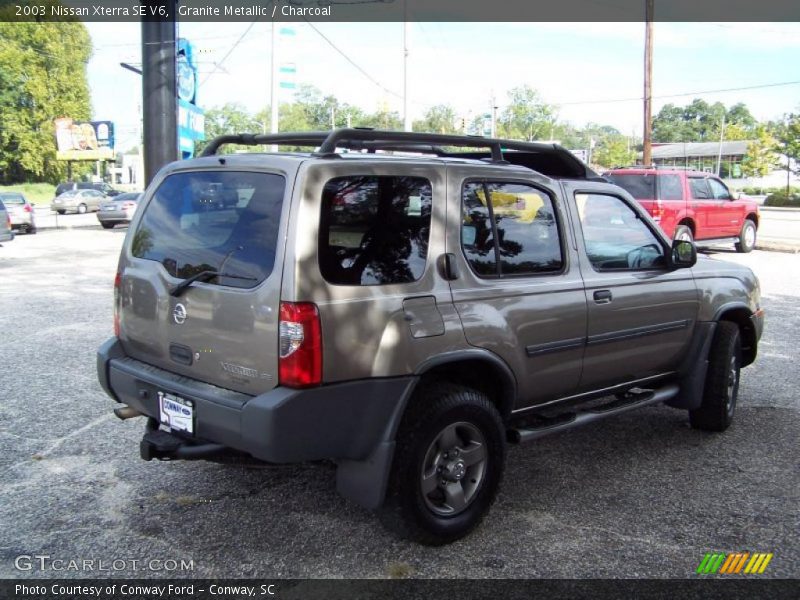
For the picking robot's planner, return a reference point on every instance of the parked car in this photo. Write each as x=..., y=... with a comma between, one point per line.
x=691, y=205
x=78, y=201
x=20, y=211
x=100, y=186
x=119, y=210
x=6, y=232
x=409, y=316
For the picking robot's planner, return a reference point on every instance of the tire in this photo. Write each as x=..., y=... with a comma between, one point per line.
x=107, y=225
x=747, y=237
x=718, y=407
x=446, y=423
x=683, y=232
x=81, y=209
x=61, y=212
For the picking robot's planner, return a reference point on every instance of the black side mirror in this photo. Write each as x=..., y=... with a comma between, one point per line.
x=683, y=254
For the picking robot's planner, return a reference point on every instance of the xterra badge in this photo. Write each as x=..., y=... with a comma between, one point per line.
x=179, y=313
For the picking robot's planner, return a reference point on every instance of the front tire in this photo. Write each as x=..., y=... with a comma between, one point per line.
x=447, y=466
x=747, y=237
x=718, y=407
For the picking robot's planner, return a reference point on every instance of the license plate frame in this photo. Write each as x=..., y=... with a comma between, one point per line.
x=176, y=412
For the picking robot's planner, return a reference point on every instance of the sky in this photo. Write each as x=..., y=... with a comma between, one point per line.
x=592, y=71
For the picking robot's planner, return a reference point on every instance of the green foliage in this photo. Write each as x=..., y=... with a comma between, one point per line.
x=613, y=151
x=42, y=77
x=761, y=158
x=788, y=136
x=36, y=193
x=782, y=199
x=527, y=117
x=700, y=121
x=441, y=118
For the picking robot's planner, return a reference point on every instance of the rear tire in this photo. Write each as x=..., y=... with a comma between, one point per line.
x=747, y=237
x=61, y=212
x=81, y=209
x=683, y=232
x=447, y=466
x=107, y=225
x=718, y=407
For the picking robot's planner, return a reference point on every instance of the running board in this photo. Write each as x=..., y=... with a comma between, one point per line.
x=564, y=422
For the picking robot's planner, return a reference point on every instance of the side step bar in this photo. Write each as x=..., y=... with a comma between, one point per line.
x=564, y=422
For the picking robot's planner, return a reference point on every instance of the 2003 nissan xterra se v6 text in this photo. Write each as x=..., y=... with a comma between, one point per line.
x=406, y=305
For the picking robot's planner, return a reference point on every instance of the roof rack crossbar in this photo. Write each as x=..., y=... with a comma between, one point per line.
x=310, y=138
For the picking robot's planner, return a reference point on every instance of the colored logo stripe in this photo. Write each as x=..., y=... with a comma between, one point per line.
x=733, y=563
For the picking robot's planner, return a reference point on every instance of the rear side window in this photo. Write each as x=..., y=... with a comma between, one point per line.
x=374, y=229
x=641, y=186
x=670, y=187
x=513, y=233
x=216, y=220
x=64, y=187
x=699, y=188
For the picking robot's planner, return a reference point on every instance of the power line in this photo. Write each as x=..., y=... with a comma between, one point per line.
x=218, y=65
x=682, y=94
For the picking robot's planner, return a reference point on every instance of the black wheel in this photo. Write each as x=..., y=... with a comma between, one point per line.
x=61, y=211
x=448, y=464
x=81, y=209
x=107, y=225
x=722, y=381
x=747, y=237
x=683, y=232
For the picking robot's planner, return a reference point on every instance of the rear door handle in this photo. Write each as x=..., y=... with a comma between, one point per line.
x=602, y=296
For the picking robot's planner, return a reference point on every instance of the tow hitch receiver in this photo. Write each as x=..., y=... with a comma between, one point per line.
x=163, y=445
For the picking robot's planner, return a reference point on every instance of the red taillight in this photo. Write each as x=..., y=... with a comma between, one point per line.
x=117, y=301
x=300, y=345
x=658, y=210
x=28, y=208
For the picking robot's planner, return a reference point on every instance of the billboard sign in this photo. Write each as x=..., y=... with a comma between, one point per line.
x=84, y=140
x=191, y=126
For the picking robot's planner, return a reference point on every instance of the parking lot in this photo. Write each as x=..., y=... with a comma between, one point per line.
x=640, y=495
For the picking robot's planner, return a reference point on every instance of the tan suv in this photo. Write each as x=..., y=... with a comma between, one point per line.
x=406, y=305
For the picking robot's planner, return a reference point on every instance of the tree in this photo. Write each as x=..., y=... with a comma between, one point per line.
x=527, y=117
x=441, y=118
x=700, y=121
x=227, y=119
x=613, y=151
x=788, y=136
x=761, y=158
x=42, y=77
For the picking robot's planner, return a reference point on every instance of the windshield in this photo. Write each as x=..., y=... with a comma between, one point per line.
x=129, y=197
x=213, y=220
x=640, y=186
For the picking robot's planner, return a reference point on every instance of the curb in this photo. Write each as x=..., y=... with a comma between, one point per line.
x=770, y=246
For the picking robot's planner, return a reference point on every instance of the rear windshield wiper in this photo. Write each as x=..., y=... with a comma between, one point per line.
x=204, y=276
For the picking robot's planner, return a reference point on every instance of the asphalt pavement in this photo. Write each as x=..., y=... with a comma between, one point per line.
x=639, y=495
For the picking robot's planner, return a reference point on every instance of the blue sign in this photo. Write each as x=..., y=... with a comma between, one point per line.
x=191, y=120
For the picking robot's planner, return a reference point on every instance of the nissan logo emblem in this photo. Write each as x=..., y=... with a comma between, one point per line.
x=179, y=313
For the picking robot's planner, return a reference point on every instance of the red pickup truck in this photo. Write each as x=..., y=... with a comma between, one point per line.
x=691, y=205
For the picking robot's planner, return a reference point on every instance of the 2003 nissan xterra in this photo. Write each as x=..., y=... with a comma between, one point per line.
x=406, y=305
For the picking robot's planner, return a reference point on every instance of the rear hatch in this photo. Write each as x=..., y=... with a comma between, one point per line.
x=220, y=329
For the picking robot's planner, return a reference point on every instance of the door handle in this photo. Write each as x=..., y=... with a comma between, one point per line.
x=602, y=296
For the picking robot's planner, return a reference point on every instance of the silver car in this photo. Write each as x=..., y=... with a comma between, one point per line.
x=78, y=201
x=20, y=211
x=118, y=211
x=6, y=233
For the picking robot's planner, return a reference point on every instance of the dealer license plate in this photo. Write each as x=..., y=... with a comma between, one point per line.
x=175, y=412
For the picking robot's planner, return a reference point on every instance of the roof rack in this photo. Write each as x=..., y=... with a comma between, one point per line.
x=557, y=160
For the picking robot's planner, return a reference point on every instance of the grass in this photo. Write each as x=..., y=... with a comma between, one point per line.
x=36, y=193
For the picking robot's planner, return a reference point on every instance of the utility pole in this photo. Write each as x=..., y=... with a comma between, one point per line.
x=494, y=115
x=647, y=149
x=721, y=137
x=273, y=88
x=159, y=91
x=406, y=115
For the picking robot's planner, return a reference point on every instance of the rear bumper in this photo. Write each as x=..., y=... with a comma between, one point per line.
x=116, y=216
x=345, y=421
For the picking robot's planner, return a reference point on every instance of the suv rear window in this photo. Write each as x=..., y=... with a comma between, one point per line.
x=374, y=229
x=213, y=220
x=12, y=199
x=640, y=186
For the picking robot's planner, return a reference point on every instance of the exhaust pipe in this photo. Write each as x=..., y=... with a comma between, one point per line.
x=126, y=412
